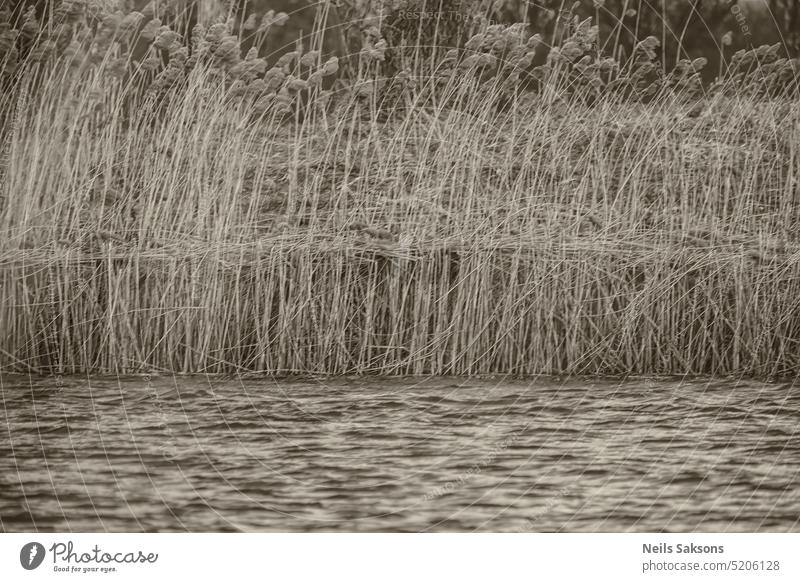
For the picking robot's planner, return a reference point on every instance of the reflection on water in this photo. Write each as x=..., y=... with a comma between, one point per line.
x=202, y=454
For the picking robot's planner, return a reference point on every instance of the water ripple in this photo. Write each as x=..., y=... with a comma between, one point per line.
x=201, y=454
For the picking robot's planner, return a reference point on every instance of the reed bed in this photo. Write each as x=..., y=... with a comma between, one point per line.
x=442, y=221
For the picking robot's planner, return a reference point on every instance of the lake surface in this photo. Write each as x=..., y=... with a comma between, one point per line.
x=205, y=454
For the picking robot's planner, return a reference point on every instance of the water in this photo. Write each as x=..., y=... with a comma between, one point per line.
x=202, y=454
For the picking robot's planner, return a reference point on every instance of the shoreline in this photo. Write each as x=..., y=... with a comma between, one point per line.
x=326, y=311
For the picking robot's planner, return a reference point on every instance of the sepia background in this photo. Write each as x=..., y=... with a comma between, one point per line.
x=399, y=266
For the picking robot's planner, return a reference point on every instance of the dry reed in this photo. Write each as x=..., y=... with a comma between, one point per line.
x=449, y=226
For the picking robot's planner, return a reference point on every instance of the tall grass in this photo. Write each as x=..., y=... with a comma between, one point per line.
x=452, y=220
